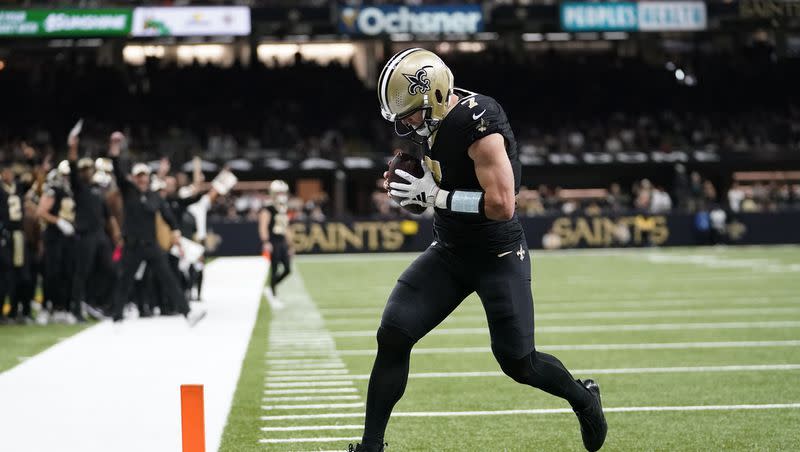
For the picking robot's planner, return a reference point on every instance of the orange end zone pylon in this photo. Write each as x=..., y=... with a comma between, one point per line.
x=193, y=427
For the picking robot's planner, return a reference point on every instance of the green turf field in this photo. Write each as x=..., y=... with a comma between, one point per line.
x=695, y=349
x=19, y=342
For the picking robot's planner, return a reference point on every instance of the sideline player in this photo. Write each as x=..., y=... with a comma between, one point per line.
x=273, y=230
x=472, y=174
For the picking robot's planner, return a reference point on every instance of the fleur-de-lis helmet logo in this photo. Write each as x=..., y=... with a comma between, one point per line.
x=419, y=82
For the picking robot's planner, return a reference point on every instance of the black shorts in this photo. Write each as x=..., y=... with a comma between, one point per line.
x=439, y=279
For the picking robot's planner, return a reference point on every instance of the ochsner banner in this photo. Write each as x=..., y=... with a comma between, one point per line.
x=191, y=21
x=376, y=20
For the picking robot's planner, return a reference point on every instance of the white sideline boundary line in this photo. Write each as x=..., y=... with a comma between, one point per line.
x=604, y=328
x=581, y=347
x=94, y=379
x=307, y=440
x=611, y=371
x=627, y=409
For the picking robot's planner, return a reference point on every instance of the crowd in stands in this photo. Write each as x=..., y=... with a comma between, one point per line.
x=688, y=194
x=305, y=110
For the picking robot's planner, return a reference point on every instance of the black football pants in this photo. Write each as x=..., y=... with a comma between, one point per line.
x=156, y=258
x=428, y=291
x=59, y=268
x=281, y=264
x=93, y=268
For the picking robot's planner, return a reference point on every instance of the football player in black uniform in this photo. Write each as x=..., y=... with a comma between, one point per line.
x=139, y=226
x=273, y=229
x=13, y=272
x=57, y=211
x=472, y=174
x=93, y=258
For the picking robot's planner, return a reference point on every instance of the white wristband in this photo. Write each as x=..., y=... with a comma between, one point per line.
x=440, y=202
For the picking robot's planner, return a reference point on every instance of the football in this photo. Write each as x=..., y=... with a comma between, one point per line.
x=411, y=165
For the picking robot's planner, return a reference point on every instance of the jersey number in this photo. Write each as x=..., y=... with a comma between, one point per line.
x=67, y=210
x=281, y=224
x=435, y=168
x=14, y=208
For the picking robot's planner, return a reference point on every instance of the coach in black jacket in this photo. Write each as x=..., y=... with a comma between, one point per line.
x=140, y=207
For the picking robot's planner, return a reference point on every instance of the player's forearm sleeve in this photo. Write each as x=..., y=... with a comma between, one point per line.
x=461, y=201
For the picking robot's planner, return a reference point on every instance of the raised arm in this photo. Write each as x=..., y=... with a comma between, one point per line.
x=72, y=157
x=121, y=164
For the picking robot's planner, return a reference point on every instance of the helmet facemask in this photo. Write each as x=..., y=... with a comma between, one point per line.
x=415, y=80
x=419, y=133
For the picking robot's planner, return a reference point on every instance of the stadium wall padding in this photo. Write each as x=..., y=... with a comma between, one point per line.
x=569, y=231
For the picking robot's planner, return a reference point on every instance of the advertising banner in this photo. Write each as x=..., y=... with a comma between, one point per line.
x=628, y=16
x=65, y=22
x=377, y=20
x=552, y=232
x=191, y=21
x=642, y=230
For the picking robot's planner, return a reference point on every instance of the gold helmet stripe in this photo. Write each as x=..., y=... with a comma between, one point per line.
x=386, y=75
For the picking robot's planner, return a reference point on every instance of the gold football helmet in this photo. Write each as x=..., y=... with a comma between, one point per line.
x=412, y=80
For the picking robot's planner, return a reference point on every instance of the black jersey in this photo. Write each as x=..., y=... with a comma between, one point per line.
x=63, y=205
x=91, y=211
x=180, y=209
x=278, y=222
x=140, y=208
x=11, y=208
x=472, y=118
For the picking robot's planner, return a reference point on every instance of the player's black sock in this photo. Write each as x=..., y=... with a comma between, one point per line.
x=281, y=276
x=386, y=383
x=547, y=373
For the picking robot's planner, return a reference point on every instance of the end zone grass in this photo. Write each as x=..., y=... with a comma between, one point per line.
x=240, y=434
x=20, y=342
x=669, y=328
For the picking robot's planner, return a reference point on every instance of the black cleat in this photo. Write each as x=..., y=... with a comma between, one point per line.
x=360, y=448
x=592, y=419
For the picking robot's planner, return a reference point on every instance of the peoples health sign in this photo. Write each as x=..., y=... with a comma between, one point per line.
x=376, y=20
x=641, y=16
x=65, y=22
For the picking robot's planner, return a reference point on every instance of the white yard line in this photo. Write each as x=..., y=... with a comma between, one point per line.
x=302, y=366
x=274, y=373
x=310, y=398
x=312, y=406
x=712, y=261
x=693, y=313
x=297, y=327
x=699, y=296
x=309, y=391
x=631, y=409
x=304, y=361
x=579, y=347
x=299, y=381
x=116, y=387
x=307, y=440
x=605, y=328
x=309, y=428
